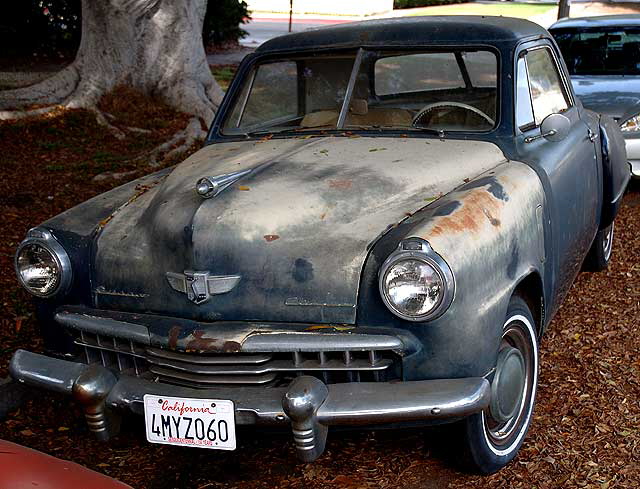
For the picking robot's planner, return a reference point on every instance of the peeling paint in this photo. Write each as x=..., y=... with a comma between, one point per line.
x=174, y=332
x=341, y=184
x=471, y=211
x=140, y=190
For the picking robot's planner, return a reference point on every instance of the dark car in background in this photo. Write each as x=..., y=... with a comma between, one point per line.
x=603, y=58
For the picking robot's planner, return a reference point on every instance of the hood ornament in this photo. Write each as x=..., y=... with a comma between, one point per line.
x=200, y=286
x=208, y=187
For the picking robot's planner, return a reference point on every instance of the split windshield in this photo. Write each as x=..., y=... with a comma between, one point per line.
x=600, y=51
x=442, y=91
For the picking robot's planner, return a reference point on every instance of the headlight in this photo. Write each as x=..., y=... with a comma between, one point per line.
x=42, y=265
x=632, y=124
x=416, y=284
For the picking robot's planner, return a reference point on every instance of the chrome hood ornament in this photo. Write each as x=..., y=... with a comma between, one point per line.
x=200, y=286
x=208, y=187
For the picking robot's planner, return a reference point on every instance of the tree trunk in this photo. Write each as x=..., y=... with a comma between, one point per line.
x=563, y=8
x=153, y=45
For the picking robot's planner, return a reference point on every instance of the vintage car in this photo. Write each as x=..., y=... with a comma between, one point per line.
x=384, y=219
x=603, y=58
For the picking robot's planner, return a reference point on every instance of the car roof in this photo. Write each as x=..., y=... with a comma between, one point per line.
x=409, y=31
x=600, y=21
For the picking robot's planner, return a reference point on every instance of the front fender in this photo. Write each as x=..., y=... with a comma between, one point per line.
x=490, y=232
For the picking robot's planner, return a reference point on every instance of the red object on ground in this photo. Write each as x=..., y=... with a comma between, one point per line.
x=22, y=468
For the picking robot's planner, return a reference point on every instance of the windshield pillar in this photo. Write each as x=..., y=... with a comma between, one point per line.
x=349, y=92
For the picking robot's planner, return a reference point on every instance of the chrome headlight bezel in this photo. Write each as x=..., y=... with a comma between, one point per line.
x=631, y=124
x=419, y=250
x=44, y=237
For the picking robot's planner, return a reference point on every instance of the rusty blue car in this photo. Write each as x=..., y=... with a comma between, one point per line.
x=384, y=219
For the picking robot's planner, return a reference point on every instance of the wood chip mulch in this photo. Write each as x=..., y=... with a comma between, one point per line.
x=586, y=430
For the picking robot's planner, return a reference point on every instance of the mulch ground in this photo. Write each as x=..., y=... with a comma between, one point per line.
x=586, y=429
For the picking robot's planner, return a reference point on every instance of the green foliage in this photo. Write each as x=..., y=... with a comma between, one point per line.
x=223, y=75
x=46, y=27
x=222, y=21
x=423, y=3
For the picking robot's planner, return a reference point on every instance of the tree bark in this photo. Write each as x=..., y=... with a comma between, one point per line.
x=153, y=45
x=563, y=8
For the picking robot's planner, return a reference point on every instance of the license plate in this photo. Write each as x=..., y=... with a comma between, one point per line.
x=204, y=423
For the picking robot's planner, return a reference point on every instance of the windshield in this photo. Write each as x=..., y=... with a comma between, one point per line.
x=443, y=91
x=600, y=51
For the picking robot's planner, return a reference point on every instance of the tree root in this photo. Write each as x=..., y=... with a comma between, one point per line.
x=102, y=120
x=51, y=91
x=178, y=144
x=6, y=115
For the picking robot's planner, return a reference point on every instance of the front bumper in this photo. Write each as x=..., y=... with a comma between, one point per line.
x=307, y=404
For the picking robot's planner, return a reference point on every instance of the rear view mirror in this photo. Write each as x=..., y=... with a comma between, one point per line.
x=555, y=127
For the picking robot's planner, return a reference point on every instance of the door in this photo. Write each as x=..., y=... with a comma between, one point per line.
x=568, y=168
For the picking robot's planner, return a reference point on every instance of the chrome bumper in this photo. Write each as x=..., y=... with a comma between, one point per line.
x=307, y=404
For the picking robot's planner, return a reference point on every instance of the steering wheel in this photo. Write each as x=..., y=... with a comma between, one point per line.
x=458, y=105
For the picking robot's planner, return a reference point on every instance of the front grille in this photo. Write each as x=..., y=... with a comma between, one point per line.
x=210, y=370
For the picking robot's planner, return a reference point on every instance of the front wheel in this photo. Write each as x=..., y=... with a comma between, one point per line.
x=600, y=253
x=494, y=436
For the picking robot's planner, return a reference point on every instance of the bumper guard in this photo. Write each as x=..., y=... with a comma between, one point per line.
x=309, y=405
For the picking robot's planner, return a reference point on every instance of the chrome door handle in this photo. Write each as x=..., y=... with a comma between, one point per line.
x=592, y=135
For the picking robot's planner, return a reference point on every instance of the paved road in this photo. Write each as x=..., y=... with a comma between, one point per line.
x=263, y=29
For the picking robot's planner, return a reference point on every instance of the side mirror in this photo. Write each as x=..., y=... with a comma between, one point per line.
x=554, y=127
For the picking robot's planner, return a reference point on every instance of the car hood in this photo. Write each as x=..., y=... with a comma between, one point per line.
x=296, y=229
x=614, y=95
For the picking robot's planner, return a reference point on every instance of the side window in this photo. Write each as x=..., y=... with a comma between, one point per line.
x=547, y=93
x=524, y=109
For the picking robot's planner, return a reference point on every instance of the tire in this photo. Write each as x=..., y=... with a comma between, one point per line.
x=599, y=255
x=492, y=443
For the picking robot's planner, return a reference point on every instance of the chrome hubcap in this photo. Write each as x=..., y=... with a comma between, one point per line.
x=513, y=386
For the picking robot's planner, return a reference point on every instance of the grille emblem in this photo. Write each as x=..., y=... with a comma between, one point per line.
x=200, y=286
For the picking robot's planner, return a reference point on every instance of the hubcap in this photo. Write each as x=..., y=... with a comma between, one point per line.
x=508, y=384
x=513, y=387
x=607, y=243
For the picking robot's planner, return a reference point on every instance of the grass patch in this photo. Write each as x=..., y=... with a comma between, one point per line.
x=224, y=74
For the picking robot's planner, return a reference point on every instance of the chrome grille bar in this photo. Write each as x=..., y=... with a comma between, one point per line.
x=205, y=370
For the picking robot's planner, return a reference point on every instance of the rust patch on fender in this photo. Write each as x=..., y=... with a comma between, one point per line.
x=271, y=237
x=492, y=220
x=475, y=209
